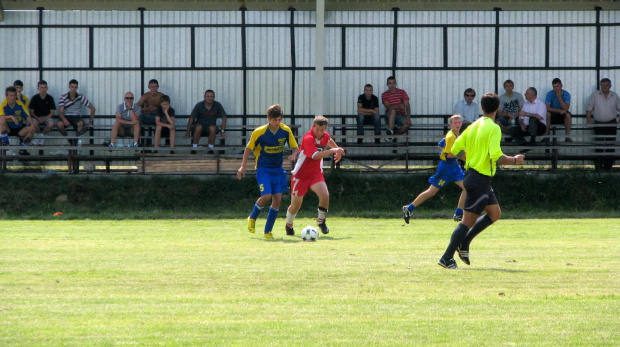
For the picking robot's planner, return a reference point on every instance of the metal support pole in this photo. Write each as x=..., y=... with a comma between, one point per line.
x=319, y=57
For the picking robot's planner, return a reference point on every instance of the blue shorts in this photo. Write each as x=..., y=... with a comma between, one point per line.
x=446, y=173
x=271, y=181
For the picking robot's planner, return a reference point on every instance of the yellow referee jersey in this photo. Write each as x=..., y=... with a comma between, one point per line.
x=481, y=141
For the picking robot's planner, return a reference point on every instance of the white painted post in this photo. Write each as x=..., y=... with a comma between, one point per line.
x=319, y=58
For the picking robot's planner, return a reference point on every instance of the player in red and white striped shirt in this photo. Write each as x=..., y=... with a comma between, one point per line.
x=308, y=172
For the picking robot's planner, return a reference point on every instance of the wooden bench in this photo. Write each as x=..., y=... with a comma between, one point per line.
x=196, y=164
x=416, y=149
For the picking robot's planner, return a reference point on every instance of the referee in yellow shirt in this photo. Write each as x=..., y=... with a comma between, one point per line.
x=481, y=142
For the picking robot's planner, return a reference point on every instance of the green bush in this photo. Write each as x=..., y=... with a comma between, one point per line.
x=521, y=194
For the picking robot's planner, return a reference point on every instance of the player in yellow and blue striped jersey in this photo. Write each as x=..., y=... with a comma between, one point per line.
x=267, y=143
x=448, y=171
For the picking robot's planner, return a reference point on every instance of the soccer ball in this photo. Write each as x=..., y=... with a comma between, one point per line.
x=309, y=233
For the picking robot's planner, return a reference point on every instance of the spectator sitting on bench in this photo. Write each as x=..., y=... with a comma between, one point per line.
x=397, y=108
x=203, y=119
x=532, y=119
x=42, y=108
x=603, y=110
x=149, y=102
x=467, y=108
x=510, y=103
x=164, y=121
x=19, y=86
x=13, y=116
x=69, y=110
x=127, y=121
x=558, y=103
x=368, y=113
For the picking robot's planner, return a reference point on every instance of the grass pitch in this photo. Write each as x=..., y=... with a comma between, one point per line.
x=370, y=282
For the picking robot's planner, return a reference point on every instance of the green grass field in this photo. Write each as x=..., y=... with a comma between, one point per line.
x=370, y=282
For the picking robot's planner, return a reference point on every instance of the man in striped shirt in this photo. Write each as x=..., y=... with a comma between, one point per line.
x=397, y=108
x=70, y=110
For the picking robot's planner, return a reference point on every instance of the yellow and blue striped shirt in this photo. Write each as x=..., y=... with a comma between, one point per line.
x=268, y=146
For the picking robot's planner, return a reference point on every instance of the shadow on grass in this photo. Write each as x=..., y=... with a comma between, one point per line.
x=283, y=240
x=331, y=238
x=292, y=239
x=492, y=269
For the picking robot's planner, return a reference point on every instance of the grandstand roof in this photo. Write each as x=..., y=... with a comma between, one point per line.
x=305, y=5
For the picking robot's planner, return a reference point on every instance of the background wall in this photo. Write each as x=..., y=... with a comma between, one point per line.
x=253, y=59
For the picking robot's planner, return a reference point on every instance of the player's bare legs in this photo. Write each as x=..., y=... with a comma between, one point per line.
x=291, y=212
x=458, y=213
x=463, y=194
x=320, y=189
x=425, y=195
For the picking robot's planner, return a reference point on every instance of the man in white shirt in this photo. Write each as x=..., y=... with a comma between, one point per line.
x=467, y=108
x=532, y=119
x=604, y=107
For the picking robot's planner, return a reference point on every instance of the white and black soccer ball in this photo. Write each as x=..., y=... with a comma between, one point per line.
x=309, y=233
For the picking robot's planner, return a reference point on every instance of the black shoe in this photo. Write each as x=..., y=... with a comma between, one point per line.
x=210, y=152
x=360, y=141
x=193, y=152
x=448, y=264
x=324, y=228
x=82, y=132
x=171, y=152
x=23, y=152
x=290, y=231
x=406, y=213
x=463, y=254
x=377, y=141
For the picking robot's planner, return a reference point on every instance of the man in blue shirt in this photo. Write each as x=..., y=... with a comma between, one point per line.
x=558, y=103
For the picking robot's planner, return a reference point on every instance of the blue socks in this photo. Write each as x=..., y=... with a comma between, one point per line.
x=5, y=137
x=411, y=208
x=271, y=216
x=458, y=212
x=271, y=219
x=256, y=211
